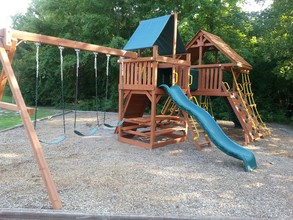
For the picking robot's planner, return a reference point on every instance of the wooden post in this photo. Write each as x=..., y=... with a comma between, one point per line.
x=3, y=77
x=200, y=44
x=187, y=73
x=121, y=94
x=175, y=35
x=154, y=103
x=174, y=48
x=39, y=154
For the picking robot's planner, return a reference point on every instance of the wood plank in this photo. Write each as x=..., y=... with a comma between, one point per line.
x=204, y=66
x=149, y=81
x=169, y=130
x=217, y=83
x=220, y=78
x=132, y=127
x=127, y=73
x=203, y=78
x=170, y=60
x=212, y=76
x=44, y=214
x=139, y=78
x=153, y=118
x=137, y=133
x=135, y=142
x=132, y=72
x=209, y=93
x=144, y=73
x=168, y=142
x=135, y=73
x=138, y=88
x=139, y=59
x=174, y=36
x=27, y=36
x=13, y=107
x=34, y=140
x=3, y=77
x=207, y=78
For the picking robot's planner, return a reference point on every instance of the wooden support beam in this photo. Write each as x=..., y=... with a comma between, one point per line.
x=13, y=107
x=173, y=61
x=27, y=36
x=35, y=143
x=174, y=36
x=3, y=77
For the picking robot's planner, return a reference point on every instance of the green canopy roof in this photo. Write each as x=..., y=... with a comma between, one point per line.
x=156, y=31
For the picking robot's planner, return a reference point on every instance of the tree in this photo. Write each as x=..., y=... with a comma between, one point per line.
x=272, y=48
x=276, y=37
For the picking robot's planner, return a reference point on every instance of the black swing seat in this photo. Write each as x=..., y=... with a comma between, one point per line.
x=111, y=126
x=91, y=133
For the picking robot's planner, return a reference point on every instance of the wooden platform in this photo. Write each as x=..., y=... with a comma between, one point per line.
x=168, y=130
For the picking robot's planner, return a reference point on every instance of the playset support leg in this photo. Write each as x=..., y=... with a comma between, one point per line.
x=39, y=154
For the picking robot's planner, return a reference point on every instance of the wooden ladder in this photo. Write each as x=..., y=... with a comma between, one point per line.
x=245, y=116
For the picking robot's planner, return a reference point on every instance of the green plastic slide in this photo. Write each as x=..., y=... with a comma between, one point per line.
x=213, y=130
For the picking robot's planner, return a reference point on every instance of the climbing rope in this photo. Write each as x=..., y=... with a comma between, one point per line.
x=246, y=83
x=249, y=117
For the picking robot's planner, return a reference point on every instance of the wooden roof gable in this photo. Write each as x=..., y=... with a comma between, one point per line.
x=206, y=40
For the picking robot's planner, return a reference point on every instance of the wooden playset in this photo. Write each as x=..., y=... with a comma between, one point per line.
x=161, y=60
x=141, y=77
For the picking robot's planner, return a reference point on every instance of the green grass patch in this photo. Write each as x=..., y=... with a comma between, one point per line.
x=9, y=119
x=6, y=98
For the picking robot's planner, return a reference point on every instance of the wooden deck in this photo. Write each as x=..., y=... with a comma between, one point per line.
x=168, y=130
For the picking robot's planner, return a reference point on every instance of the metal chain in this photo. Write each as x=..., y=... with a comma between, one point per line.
x=107, y=82
x=76, y=86
x=96, y=85
x=62, y=87
x=37, y=82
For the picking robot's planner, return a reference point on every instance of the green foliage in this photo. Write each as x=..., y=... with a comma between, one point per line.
x=263, y=39
x=274, y=33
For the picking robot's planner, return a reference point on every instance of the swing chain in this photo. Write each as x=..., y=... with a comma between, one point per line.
x=96, y=86
x=62, y=87
x=107, y=83
x=76, y=86
x=77, y=57
x=38, y=44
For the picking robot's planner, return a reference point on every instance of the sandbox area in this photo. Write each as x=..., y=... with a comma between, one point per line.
x=103, y=176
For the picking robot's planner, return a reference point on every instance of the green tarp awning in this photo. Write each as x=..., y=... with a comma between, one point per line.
x=156, y=31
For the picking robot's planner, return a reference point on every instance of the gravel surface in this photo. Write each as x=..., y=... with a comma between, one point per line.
x=101, y=175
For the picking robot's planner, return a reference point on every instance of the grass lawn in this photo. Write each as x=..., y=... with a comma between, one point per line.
x=9, y=118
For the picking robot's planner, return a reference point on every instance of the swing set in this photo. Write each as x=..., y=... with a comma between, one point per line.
x=76, y=131
x=8, y=44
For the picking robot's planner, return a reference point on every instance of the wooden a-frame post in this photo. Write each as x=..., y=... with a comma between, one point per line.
x=38, y=151
x=8, y=40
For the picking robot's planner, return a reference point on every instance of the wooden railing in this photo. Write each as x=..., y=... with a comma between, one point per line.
x=210, y=79
x=138, y=73
x=142, y=73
